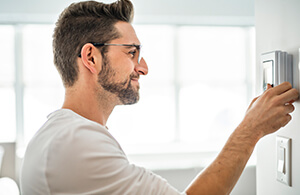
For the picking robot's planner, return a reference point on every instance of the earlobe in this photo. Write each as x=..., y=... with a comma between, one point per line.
x=89, y=58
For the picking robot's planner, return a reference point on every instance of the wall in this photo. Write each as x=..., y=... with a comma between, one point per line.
x=278, y=28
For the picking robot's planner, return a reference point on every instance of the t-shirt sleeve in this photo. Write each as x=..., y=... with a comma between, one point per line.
x=92, y=162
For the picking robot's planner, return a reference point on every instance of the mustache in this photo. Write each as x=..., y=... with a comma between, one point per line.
x=134, y=75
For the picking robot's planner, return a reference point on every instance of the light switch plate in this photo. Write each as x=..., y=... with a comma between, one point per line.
x=283, y=160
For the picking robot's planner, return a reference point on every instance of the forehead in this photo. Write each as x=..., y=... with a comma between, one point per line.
x=127, y=32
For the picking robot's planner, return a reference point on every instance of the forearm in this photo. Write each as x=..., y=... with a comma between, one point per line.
x=220, y=177
x=265, y=115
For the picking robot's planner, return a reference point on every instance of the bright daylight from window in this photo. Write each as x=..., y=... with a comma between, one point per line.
x=197, y=90
x=7, y=94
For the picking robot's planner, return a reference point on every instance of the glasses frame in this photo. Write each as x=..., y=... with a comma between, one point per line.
x=138, y=47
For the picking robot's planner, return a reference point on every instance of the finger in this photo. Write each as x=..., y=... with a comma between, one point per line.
x=289, y=108
x=292, y=101
x=289, y=96
x=269, y=86
x=286, y=120
x=283, y=87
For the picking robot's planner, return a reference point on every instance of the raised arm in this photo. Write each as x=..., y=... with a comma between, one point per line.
x=266, y=114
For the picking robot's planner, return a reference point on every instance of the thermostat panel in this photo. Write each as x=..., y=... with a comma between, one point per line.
x=277, y=68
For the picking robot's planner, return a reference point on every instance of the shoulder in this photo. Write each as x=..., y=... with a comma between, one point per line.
x=66, y=135
x=73, y=131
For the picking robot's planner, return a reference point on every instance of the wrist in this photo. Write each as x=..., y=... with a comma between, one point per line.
x=248, y=132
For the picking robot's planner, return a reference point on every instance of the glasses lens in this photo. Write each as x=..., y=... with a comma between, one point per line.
x=140, y=55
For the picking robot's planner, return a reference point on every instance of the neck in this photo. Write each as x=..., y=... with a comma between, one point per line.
x=89, y=104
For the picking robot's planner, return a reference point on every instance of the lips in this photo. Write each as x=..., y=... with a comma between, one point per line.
x=135, y=79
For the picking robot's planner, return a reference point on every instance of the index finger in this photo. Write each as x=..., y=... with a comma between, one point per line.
x=289, y=96
x=283, y=87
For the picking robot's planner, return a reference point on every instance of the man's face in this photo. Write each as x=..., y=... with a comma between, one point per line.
x=120, y=68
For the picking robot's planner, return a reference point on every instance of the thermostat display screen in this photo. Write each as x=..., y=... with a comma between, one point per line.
x=268, y=74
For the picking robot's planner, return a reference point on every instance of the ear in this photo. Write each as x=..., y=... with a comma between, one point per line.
x=91, y=57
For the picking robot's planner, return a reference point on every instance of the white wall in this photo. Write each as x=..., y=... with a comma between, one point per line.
x=278, y=28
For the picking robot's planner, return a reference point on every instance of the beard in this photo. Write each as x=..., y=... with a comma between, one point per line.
x=126, y=93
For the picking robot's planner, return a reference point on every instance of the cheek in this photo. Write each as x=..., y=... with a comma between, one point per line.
x=124, y=70
x=123, y=67
x=119, y=75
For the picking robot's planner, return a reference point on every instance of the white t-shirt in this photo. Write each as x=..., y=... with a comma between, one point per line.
x=73, y=155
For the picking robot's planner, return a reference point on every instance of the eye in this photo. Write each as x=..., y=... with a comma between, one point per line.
x=132, y=53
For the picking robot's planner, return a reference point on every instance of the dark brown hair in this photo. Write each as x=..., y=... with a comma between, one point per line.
x=84, y=22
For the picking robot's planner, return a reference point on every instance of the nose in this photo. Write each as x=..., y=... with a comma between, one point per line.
x=142, y=67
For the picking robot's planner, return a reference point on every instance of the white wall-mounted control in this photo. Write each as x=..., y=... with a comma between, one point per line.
x=277, y=68
x=283, y=173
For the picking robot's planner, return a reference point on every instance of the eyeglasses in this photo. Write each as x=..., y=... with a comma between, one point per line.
x=138, y=48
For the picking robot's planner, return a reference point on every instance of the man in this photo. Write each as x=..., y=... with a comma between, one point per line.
x=96, y=52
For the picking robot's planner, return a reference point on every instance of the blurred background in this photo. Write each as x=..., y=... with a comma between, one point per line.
x=200, y=55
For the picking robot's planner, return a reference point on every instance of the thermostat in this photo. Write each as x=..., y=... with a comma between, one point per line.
x=277, y=68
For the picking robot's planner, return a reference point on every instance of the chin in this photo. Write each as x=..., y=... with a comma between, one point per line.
x=131, y=101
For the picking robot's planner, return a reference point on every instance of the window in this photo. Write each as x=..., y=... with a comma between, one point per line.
x=213, y=95
x=7, y=93
x=195, y=94
x=152, y=120
x=43, y=90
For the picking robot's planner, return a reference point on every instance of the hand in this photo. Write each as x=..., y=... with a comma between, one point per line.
x=266, y=114
x=271, y=111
